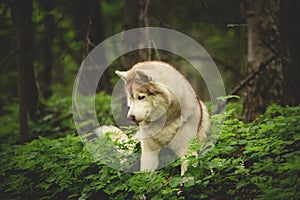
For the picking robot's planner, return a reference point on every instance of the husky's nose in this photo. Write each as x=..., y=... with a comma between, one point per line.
x=132, y=118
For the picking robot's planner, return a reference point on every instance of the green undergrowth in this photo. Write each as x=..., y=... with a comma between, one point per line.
x=55, y=120
x=259, y=160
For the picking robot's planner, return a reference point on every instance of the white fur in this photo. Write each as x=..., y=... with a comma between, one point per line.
x=171, y=118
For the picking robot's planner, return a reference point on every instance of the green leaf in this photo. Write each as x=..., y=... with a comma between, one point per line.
x=175, y=181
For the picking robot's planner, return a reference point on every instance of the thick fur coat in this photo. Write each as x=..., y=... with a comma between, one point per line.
x=165, y=106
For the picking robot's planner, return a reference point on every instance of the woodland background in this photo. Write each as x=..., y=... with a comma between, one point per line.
x=253, y=43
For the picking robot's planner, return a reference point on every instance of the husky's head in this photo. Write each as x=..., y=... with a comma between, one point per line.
x=147, y=101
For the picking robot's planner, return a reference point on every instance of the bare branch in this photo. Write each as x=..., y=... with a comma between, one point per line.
x=68, y=9
x=89, y=43
x=146, y=13
x=274, y=51
x=5, y=59
x=250, y=77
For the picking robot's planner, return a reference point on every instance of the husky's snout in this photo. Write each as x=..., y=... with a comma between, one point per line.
x=131, y=117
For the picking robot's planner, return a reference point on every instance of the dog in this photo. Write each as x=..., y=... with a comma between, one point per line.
x=167, y=110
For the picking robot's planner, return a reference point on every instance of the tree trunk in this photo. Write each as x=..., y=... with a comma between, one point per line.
x=88, y=24
x=47, y=46
x=135, y=15
x=290, y=43
x=131, y=20
x=266, y=87
x=27, y=87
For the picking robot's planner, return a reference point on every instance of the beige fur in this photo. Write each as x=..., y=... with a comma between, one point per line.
x=166, y=108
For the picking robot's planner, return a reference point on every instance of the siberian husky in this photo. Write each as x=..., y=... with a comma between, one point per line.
x=166, y=108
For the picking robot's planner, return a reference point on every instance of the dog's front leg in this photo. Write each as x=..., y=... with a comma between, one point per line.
x=149, y=161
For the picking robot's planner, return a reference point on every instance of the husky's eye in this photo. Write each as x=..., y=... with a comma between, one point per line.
x=141, y=97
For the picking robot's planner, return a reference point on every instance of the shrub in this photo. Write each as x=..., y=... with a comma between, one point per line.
x=259, y=160
x=53, y=121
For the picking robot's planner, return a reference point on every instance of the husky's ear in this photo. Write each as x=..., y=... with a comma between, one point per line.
x=122, y=75
x=143, y=76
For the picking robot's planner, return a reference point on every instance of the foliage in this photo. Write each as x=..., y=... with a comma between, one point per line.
x=54, y=120
x=65, y=32
x=258, y=160
x=9, y=132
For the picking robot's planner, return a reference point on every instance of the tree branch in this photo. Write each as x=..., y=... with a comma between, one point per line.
x=262, y=67
x=246, y=80
x=274, y=51
x=4, y=60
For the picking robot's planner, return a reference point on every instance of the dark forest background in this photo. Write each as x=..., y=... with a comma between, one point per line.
x=255, y=45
